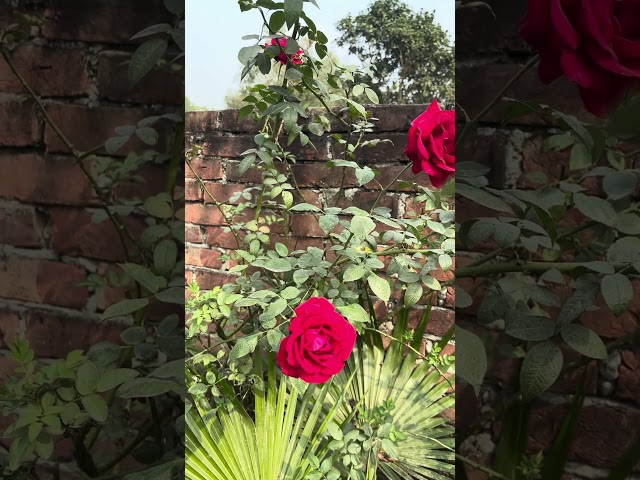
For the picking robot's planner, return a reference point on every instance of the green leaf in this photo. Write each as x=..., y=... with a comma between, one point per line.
x=619, y=185
x=148, y=135
x=540, y=369
x=173, y=369
x=529, y=327
x=274, y=265
x=624, y=250
x=482, y=197
x=293, y=74
x=247, y=161
x=152, y=30
x=471, y=358
x=276, y=21
x=466, y=170
x=361, y=226
x=379, y=286
x=244, y=346
x=125, y=307
x=617, y=292
x=580, y=157
x=145, y=58
x=247, y=54
x=144, y=276
x=584, y=341
x=158, y=206
x=353, y=273
x=274, y=337
x=115, y=143
x=164, y=257
x=263, y=61
x=304, y=207
x=292, y=11
x=595, y=208
x=413, y=294
x=87, y=378
x=113, y=378
x=96, y=407
x=327, y=222
x=364, y=175
x=171, y=295
x=145, y=387
x=355, y=313
x=577, y=303
x=133, y=335
x=373, y=96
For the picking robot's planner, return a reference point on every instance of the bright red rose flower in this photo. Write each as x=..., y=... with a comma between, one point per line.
x=296, y=58
x=431, y=144
x=320, y=342
x=594, y=43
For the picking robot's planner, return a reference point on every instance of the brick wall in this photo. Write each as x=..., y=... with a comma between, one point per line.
x=224, y=139
x=489, y=52
x=48, y=244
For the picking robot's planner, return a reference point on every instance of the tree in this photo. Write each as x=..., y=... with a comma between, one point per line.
x=410, y=55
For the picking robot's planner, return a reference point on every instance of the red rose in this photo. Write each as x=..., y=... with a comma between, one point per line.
x=595, y=43
x=431, y=144
x=321, y=340
x=296, y=58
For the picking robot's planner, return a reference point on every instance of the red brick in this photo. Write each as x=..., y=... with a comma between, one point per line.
x=192, y=233
x=46, y=180
x=606, y=324
x=192, y=191
x=440, y=320
x=102, y=21
x=151, y=181
x=54, y=336
x=20, y=123
x=49, y=71
x=203, y=257
x=365, y=201
x=202, y=122
x=9, y=328
x=305, y=225
x=206, y=168
x=89, y=127
x=19, y=226
x=216, y=237
x=73, y=233
x=208, y=280
x=628, y=384
x=161, y=85
x=604, y=432
x=382, y=152
x=202, y=214
x=221, y=192
x=42, y=281
x=108, y=295
x=488, y=79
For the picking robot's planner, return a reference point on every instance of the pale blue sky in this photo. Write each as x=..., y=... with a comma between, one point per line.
x=214, y=36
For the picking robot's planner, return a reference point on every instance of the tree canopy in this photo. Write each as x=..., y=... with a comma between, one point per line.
x=411, y=56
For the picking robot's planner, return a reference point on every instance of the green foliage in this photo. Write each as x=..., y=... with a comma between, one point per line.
x=130, y=393
x=410, y=55
x=283, y=428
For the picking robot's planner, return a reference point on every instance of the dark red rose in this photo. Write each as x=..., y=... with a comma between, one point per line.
x=296, y=58
x=320, y=342
x=594, y=43
x=431, y=144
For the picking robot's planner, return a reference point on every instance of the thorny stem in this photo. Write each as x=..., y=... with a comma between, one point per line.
x=79, y=156
x=537, y=267
x=525, y=68
x=215, y=202
x=384, y=190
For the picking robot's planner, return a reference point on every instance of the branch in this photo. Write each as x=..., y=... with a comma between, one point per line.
x=533, y=267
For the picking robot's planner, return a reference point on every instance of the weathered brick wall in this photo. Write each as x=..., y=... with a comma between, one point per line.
x=76, y=61
x=489, y=52
x=224, y=139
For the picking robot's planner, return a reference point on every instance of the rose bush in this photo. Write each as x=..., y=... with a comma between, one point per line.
x=281, y=43
x=431, y=144
x=593, y=43
x=321, y=340
x=321, y=311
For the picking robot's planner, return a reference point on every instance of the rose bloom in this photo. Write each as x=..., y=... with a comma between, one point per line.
x=594, y=43
x=320, y=342
x=296, y=58
x=431, y=144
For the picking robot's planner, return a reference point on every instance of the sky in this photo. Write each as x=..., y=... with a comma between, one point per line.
x=215, y=29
